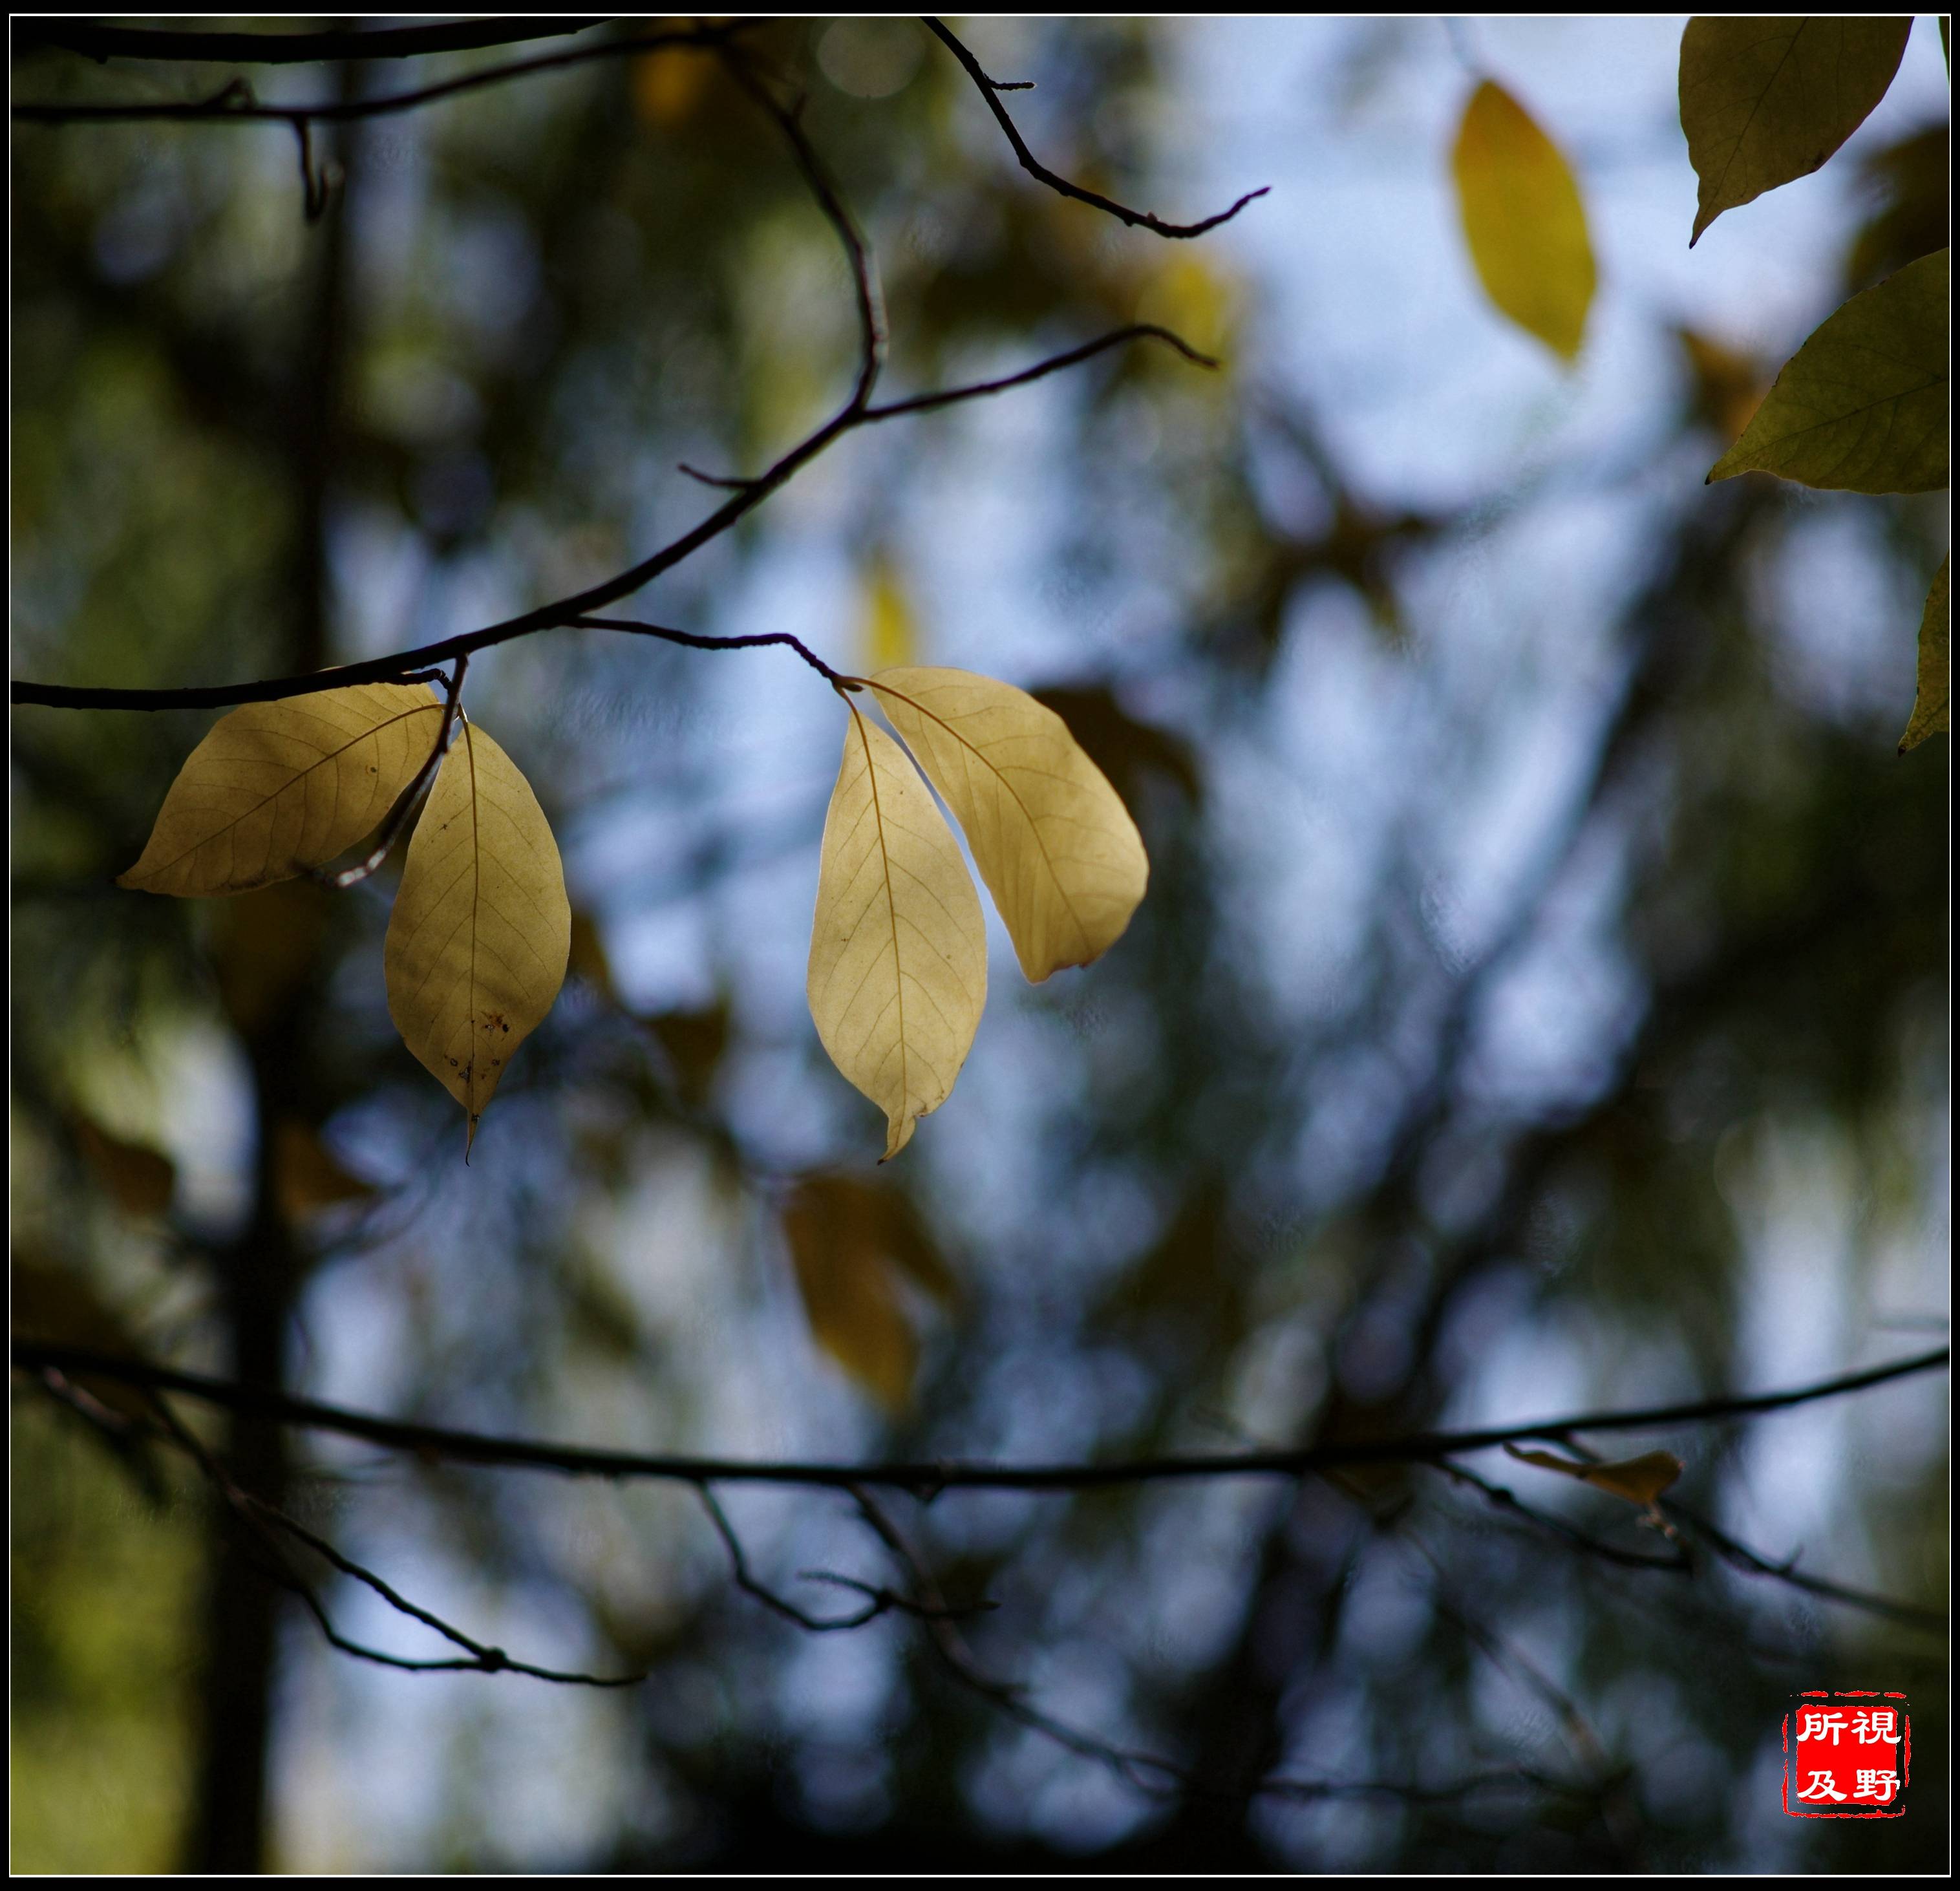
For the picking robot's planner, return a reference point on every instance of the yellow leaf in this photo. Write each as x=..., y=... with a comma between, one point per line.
x=898, y=953
x=1861, y=406
x=1523, y=220
x=1639, y=1480
x=1052, y=839
x=477, y=942
x=306, y=1176
x=141, y=1180
x=846, y=1240
x=1766, y=100
x=1928, y=707
x=891, y=630
x=277, y=788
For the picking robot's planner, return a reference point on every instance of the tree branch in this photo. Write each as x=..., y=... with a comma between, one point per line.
x=236, y=105
x=574, y=612
x=990, y=90
x=924, y=1480
x=101, y=42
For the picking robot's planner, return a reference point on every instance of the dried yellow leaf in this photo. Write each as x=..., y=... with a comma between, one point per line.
x=1764, y=101
x=1861, y=406
x=1052, y=839
x=1639, y=1480
x=277, y=787
x=1936, y=655
x=477, y=942
x=1523, y=220
x=898, y=951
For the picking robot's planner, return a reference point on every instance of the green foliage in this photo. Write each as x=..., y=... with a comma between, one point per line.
x=1765, y=100
x=1861, y=407
x=1929, y=702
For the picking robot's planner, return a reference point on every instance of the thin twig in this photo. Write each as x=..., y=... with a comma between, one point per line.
x=475, y=1447
x=574, y=612
x=990, y=89
x=221, y=110
x=101, y=42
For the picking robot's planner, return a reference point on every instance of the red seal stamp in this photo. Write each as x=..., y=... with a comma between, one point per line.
x=1846, y=1755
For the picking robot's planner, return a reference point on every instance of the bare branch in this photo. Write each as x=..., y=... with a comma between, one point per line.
x=990, y=89
x=101, y=42
x=573, y=612
x=925, y=1480
x=229, y=107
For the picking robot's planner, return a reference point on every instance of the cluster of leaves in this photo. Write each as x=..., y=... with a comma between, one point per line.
x=1861, y=407
x=482, y=930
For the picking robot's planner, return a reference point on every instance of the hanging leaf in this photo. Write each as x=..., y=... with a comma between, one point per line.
x=1524, y=221
x=307, y=1176
x=1928, y=707
x=848, y=1242
x=141, y=1180
x=277, y=787
x=478, y=940
x=1766, y=100
x=1052, y=839
x=1910, y=179
x=1861, y=406
x=898, y=952
x=1639, y=1480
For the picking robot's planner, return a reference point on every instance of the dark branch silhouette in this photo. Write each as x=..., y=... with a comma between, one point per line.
x=990, y=89
x=236, y=104
x=576, y=613
x=925, y=1480
x=101, y=42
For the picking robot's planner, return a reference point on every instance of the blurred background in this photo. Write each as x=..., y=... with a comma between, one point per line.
x=1540, y=1001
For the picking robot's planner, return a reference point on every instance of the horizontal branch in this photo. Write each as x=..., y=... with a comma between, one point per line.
x=991, y=89
x=576, y=612
x=925, y=1480
x=101, y=42
x=235, y=105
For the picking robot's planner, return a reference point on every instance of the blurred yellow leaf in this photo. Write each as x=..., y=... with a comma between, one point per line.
x=898, y=951
x=847, y=1241
x=1191, y=300
x=262, y=947
x=1727, y=384
x=1523, y=220
x=482, y=929
x=891, y=629
x=141, y=1180
x=1766, y=100
x=1052, y=839
x=277, y=788
x=1639, y=1480
x=1928, y=707
x=1861, y=406
x=306, y=1175
x=668, y=85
